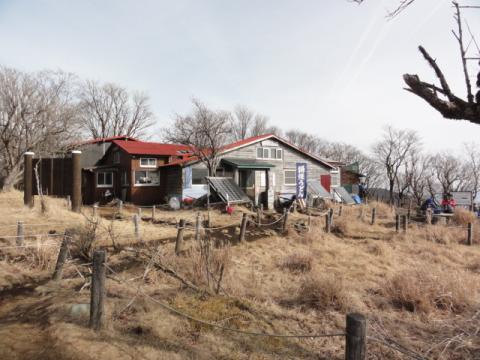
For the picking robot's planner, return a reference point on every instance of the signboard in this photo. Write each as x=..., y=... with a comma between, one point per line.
x=301, y=180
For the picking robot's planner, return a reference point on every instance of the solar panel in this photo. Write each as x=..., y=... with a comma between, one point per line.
x=315, y=188
x=344, y=195
x=227, y=190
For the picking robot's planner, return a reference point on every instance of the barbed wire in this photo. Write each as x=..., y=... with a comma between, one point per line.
x=397, y=347
x=224, y=328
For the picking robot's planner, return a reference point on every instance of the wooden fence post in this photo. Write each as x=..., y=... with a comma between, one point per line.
x=20, y=233
x=285, y=220
x=136, y=225
x=405, y=223
x=139, y=210
x=470, y=234
x=258, y=217
x=356, y=337
x=179, y=242
x=76, y=181
x=309, y=219
x=69, y=202
x=243, y=227
x=120, y=206
x=198, y=224
x=428, y=216
x=97, y=290
x=153, y=212
x=340, y=211
x=327, y=223
x=28, y=179
x=374, y=215
x=62, y=257
x=330, y=213
x=95, y=211
x=397, y=222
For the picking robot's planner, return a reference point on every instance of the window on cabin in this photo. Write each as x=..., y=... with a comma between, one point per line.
x=148, y=162
x=290, y=177
x=198, y=176
x=147, y=177
x=104, y=179
x=269, y=153
x=116, y=157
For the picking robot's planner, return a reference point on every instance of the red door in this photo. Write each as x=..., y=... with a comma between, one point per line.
x=326, y=181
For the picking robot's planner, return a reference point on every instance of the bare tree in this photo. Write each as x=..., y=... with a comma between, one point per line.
x=205, y=131
x=472, y=152
x=36, y=114
x=442, y=97
x=418, y=167
x=392, y=150
x=110, y=110
x=449, y=171
x=242, y=121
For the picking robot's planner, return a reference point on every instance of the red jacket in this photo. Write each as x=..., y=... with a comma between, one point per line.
x=451, y=202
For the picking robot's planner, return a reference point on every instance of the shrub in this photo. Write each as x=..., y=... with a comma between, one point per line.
x=321, y=292
x=425, y=291
x=463, y=217
x=297, y=262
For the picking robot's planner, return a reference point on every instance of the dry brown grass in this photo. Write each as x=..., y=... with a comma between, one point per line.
x=463, y=217
x=320, y=292
x=294, y=283
x=297, y=262
x=426, y=291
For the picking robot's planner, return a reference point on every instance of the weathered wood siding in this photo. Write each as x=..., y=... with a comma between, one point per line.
x=290, y=158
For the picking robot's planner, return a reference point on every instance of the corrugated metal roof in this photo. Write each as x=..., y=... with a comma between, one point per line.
x=152, y=148
x=247, y=163
x=344, y=195
x=315, y=188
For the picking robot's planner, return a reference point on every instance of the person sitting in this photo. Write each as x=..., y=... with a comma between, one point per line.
x=448, y=204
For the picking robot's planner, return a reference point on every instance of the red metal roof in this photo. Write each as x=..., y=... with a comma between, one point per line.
x=152, y=148
x=107, y=139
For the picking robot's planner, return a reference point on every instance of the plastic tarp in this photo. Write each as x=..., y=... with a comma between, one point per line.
x=315, y=189
x=194, y=192
x=344, y=195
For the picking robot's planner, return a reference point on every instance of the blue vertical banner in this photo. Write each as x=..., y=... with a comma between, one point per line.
x=301, y=180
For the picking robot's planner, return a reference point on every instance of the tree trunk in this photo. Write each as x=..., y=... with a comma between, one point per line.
x=10, y=180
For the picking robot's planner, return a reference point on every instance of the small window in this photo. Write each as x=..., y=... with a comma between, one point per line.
x=290, y=177
x=269, y=153
x=116, y=157
x=148, y=162
x=104, y=179
x=198, y=176
x=147, y=178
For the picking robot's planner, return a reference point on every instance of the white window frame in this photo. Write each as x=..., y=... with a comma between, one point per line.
x=147, y=171
x=268, y=150
x=104, y=178
x=148, y=165
x=285, y=177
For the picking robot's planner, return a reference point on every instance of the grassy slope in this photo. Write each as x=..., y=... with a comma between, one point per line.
x=421, y=289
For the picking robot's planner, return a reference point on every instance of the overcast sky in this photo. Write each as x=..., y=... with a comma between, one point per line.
x=329, y=67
